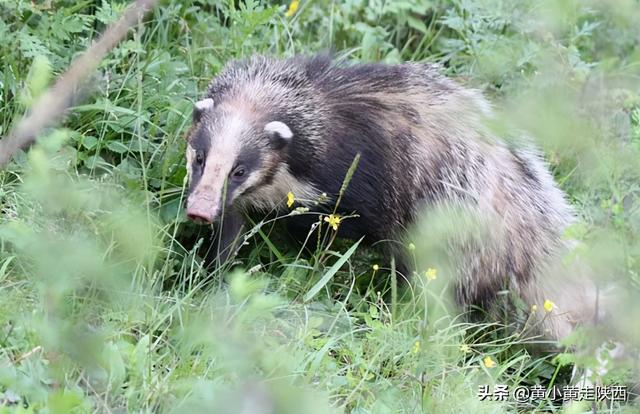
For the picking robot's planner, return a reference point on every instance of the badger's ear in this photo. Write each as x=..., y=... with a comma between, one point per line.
x=279, y=133
x=201, y=107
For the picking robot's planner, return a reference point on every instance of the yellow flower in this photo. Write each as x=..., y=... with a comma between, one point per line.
x=548, y=305
x=412, y=246
x=293, y=8
x=416, y=347
x=376, y=267
x=290, y=199
x=534, y=308
x=465, y=348
x=333, y=220
x=489, y=362
x=431, y=273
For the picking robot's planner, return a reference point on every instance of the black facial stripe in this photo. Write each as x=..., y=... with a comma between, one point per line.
x=196, y=115
x=200, y=142
x=250, y=158
x=266, y=179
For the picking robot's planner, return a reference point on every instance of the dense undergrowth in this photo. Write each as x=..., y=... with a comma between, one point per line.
x=104, y=302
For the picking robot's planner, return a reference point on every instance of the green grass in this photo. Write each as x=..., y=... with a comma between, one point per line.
x=104, y=302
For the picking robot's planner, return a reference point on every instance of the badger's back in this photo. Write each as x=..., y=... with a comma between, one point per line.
x=422, y=142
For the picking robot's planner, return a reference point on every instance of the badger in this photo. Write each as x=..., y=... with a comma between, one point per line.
x=269, y=127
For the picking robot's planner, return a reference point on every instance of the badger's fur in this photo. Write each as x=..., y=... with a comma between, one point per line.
x=267, y=127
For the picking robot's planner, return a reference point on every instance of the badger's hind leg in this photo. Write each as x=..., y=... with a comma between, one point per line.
x=571, y=296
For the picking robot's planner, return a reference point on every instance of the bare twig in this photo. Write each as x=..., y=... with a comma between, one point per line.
x=56, y=100
x=28, y=354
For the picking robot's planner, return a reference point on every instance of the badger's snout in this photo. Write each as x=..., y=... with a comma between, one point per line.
x=199, y=216
x=201, y=209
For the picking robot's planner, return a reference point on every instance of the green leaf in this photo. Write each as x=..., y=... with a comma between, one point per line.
x=331, y=272
x=257, y=228
x=170, y=210
x=95, y=161
x=66, y=401
x=37, y=80
x=106, y=14
x=139, y=358
x=114, y=363
x=54, y=141
x=117, y=146
x=417, y=24
x=89, y=141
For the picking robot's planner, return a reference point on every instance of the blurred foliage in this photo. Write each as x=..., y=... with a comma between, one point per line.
x=103, y=305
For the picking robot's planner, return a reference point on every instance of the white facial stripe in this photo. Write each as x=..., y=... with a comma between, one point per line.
x=272, y=196
x=225, y=147
x=279, y=128
x=233, y=129
x=226, y=142
x=191, y=154
x=204, y=104
x=253, y=178
x=221, y=157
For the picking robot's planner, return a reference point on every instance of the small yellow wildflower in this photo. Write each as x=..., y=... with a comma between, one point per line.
x=464, y=348
x=290, y=199
x=431, y=273
x=333, y=220
x=293, y=8
x=534, y=308
x=416, y=347
x=489, y=362
x=548, y=305
x=411, y=246
x=376, y=267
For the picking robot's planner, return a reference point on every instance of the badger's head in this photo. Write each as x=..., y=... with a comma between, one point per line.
x=231, y=152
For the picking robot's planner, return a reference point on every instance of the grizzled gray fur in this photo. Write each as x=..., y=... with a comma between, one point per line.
x=267, y=127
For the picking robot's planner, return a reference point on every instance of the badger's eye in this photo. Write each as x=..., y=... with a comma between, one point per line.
x=199, y=157
x=239, y=173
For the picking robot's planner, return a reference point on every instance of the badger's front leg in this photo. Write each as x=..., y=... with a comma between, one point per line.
x=227, y=238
